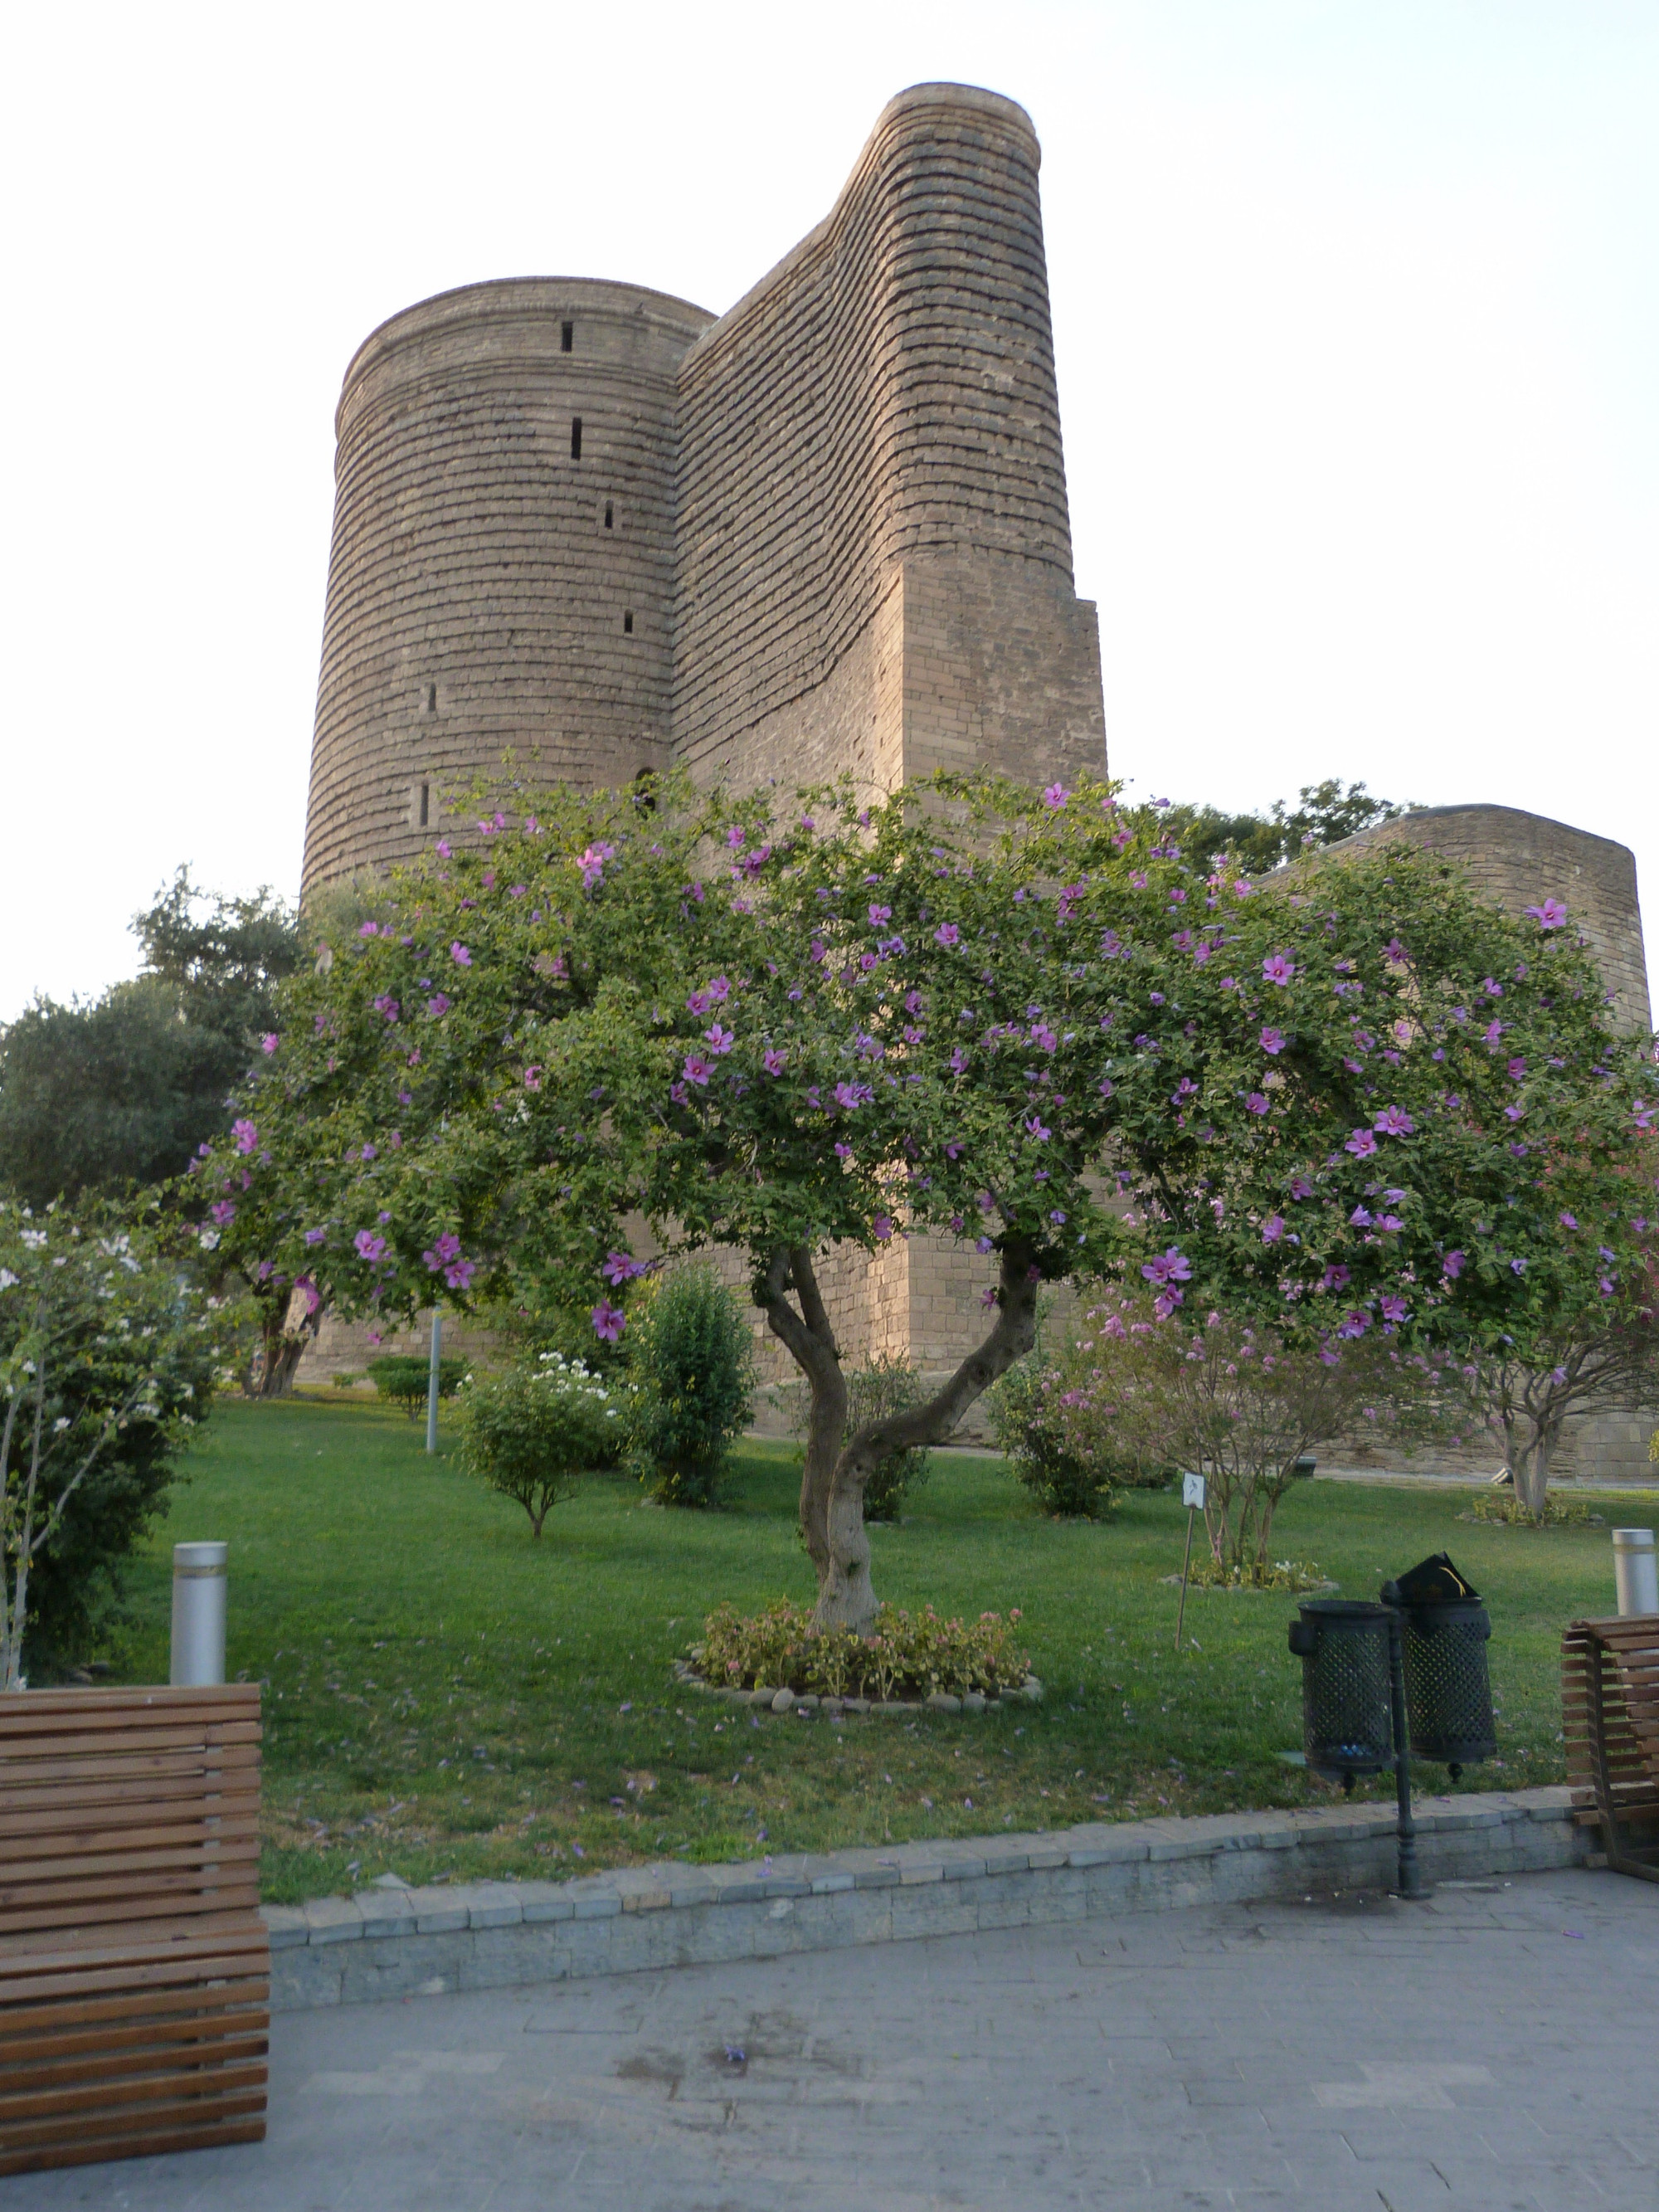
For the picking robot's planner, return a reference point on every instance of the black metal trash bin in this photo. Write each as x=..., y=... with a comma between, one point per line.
x=1444, y=1632
x=1346, y=1723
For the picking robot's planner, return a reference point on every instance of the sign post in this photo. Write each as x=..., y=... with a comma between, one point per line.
x=1192, y=1497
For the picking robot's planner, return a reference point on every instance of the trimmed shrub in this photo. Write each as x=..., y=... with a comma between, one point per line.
x=691, y=1368
x=1023, y=1409
x=405, y=1377
x=906, y=1655
x=532, y=1431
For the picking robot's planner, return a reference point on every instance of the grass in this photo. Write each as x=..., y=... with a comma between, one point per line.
x=444, y=1696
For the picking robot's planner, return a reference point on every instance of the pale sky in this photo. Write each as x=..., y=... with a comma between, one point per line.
x=1356, y=309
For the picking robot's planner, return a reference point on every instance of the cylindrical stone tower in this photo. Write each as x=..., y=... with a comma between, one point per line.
x=502, y=566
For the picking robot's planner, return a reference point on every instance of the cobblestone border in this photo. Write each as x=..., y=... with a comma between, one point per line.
x=423, y=1942
x=1030, y=1693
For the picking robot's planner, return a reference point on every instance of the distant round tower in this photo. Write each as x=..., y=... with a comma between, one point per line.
x=501, y=572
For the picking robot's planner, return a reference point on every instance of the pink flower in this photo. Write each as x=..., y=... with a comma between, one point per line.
x=1568, y=1220
x=696, y=1069
x=387, y=1006
x=1055, y=797
x=443, y=1251
x=851, y=1095
x=878, y=915
x=368, y=929
x=369, y=1246
x=1279, y=968
x=1166, y=1301
x=947, y=934
x=719, y=1040
x=1166, y=1267
x=461, y=1274
x=247, y=1136
x=1551, y=915
x=224, y=1213
x=609, y=1321
x=445, y=850
x=1272, y=1041
x=620, y=1268
x=592, y=863
x=1394, y=1122
x=1035, y=1130
x=269, y=1042
x=1394, y=950
x=437, y=1006
x=532, y=1079
x=459, y=954
x=1256, y=1103
x=1362, y=1144
x=774, y=1062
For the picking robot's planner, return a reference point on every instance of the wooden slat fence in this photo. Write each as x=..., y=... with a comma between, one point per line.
x=134, y=1971
x=1610, y=1709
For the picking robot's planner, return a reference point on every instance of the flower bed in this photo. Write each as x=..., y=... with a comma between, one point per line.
x=777, y=1658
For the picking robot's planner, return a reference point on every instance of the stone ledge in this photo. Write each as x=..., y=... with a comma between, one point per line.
x=386, y=1943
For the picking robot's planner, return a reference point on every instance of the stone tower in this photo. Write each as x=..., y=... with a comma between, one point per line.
x=596, y=526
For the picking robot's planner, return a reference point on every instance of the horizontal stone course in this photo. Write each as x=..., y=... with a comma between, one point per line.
x=383, y=1943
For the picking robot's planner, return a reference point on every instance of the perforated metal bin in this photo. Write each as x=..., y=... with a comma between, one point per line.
x=1444, y=1632
x=1347, y=1725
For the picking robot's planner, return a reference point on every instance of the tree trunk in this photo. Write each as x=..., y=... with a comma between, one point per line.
x=832, y=1510
x=1531, y=1466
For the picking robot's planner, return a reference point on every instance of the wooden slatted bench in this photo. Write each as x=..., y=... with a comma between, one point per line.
x=1610, y=1717
x=135, y=1970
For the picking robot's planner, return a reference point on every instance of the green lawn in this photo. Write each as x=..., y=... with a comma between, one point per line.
x=445, y=1695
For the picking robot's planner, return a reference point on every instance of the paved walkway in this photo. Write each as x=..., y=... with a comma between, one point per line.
x=1490, y=2048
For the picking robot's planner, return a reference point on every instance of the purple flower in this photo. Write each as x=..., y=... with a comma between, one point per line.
x=592, y=863
x=224, y=1213
x=369, y=1246
x=719, y=1040
x=1272, y=1229
x=696, y=1069
x=1359, y=1218
x=443, y=1252
x=1336, y=1277
x=1256, y=1103
x=958, y=1061
x=461, y=1274
x=1035, y=1130
x=982, y=1244
x=1301, y=1188
x=1568, y=1220
x=1166, y=1267
x=1279, y=968
x=1355, y=1323
x=1516, y=1069
x=368, y=929
x=947, y=934
x=246, y=1134
x=851, y=1095
x=445, y=850
x=1453, y=1265
x=882, y=1227
x=387, y=1005
x=1551, y=915
x=1394, y=1309
x=774, y=1062
x=1166, y=1301
x=369, y=1151
x=1362, y=1144
x=1271, y=1040
x=269, y=1042
x=1055, y=797
x=878, y=915
x=1394, y=950
x=1394, y=1121
x=459, y=954
x=619, y=1267
x=609, y=1321
x=438, y=1005
x=1517, y=1266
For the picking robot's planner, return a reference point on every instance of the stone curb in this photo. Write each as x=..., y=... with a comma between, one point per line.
x=804, y=1704
x=491, y=1935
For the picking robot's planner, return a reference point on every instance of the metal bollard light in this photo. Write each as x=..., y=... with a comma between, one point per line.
x=198, y=1613
x=1635, y=1574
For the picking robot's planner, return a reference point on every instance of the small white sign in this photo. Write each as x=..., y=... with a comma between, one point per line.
x=1192, y=1489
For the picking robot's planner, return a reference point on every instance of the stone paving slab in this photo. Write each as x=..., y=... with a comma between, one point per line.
x=1489, y=2048
x=386, y=1941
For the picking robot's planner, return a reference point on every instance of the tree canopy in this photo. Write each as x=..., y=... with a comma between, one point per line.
x=1359, y=1099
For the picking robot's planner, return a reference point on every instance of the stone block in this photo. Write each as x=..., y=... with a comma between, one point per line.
x=333, y=1920
x=286, y=1925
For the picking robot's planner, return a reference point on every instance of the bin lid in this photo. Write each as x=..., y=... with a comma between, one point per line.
x=1434, y=1581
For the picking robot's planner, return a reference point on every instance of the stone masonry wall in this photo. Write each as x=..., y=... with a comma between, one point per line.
x=489, y=588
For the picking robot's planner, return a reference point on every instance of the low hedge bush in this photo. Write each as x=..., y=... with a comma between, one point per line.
x=907, y=1655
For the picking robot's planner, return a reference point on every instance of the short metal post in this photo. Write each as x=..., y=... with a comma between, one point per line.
x=198, y=1613
x=433, y=1372
x=1635, y=1574
x=1409, y=1879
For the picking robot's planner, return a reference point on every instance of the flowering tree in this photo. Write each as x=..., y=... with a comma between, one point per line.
x=1525, y=1395
x=1237, y=1403
x=1360, y=1103
x=106, y=1361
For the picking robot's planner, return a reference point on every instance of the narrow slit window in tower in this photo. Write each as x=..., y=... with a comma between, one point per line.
x=627, y=623
x=431, y=698
x=610, y=514
x=575, y=437
x=566, y=336
x=425, y=798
